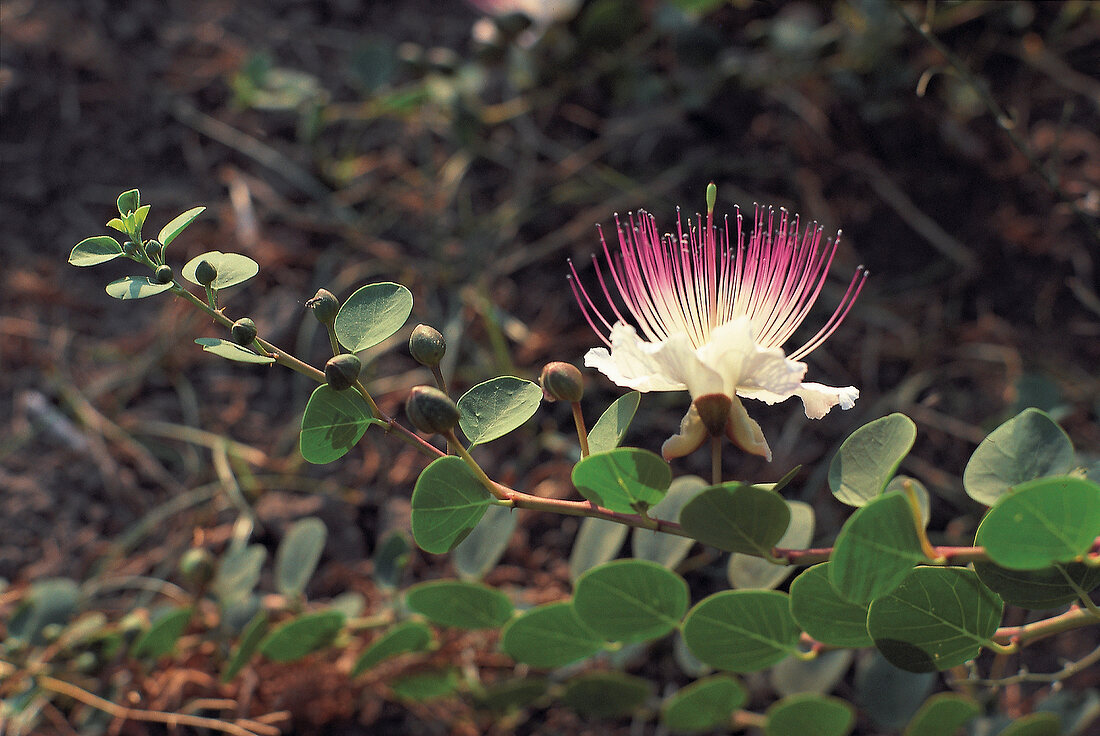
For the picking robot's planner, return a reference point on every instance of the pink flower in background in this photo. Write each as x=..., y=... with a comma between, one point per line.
x=713, y=314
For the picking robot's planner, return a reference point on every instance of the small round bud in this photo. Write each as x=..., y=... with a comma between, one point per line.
x=342, y=371
x=129, y=248
x=154, y=250
x=164, y=274
x=325, y=306
x=427, y=346
x=205, y=273
x=714, y=411
x=197, y=566
x=243, y=331
x=561, y=382
x=430, y=410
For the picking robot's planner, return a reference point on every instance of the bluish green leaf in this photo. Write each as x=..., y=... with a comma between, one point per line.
x=422, y=686
x=50, y=602
x=1028, y=446
x=550, y=635
x=249, y=643
x=889, y=695
x=512, y=695
x=1039, y=589
x=447, y=503
x=479, y=552
x=410, y=636
x=810, y=715
x=333, y=422
x=298, y=554
x=460, y=604
x=598, y=541
x=630, y=600
x=737, y=518
x=626, y=480
x=794, y=676
x=496, y=407
x=232, y=351
x=606, y=694
x=128, y=202
x=875, y=549
x=741, y=630
x=924, y=500
x=823, y=614
x=162, y=636
x=135, y=287
x=233, y=268
x=1042, y=522
x=91, y=251
x=238, y=573
x=869, y=457
x=390, y=558
x=371, y=314
x=667, y=549
x=139, y=217
x=178, y=224
x=703, y=705
x=1034, y=724
x=939, y=617
x=943, y=713
x=301, y=636
x=611, y=427
x=755, y=573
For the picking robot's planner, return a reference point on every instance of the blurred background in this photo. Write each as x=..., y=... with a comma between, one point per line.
x=467, y=150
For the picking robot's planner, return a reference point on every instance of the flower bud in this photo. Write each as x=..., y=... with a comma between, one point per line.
x=243, y=331
x=342, y=371
x=430, y=410
x=714, y=411
x=129, y=248
x=325, y=306
x=197, y=566
x=205, y=273
x=561, y=382
x=154, y=250
x=164, y=274
x=427, y=346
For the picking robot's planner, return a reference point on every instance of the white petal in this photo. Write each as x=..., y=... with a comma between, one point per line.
x=691, y=437
x=746, y=366
x=819, y=399
x=630, y=362
x=744, y=432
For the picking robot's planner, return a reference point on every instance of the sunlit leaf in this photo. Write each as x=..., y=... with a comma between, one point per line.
x=298, y=554
x=333, y=422
x=371, y=314
x=875, y=549
x=162, y=636
x=741, y=630
x=447, y=503
x=136, y=287
x=630, y=600
x=128, y=202
x=869, y=457
x=1028, y=446
x=460, y=604
x=233, y=268
x=232, y=351
x=496, y=407
x=179, y=223
x=626, y=480
x=91, y=251
x=737, y=517
x=611, y=427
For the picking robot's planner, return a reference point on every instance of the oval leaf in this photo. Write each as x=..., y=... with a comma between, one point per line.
x=939, y=617
x=875, y=549
x=178, y=224
x=943, y=713
x=512, y=695
x=630, y=600
x=741, y=630
x=667, y=549
x=737, y=518
x=1035, y=724
x=1041, y=523
x=819, y=715
x=238, y=573
x=232, y=351
x=424, y=686
x=888, y=695
x=626, y=480
x=301, y=636
x=162, y=636
x=128, y=202
x=496, y=407
x=703, y=705
x=91, y=251
x=298, y=554
x=479, y=552
x=52, y=601
x=249, y=644
x=598, y=541
x=371, y=314
x=819, y=675
x=135, y=287
x=606, y=694
x=460, y=604
x=869, y=457
x=447, y=503
x=333, y=422
x=610, y=428
x=548, y=636
x=1028, y=446
x=1038, y=589
x=410, y=636
x=754, y=573
x=233, y=268
x=823, y=614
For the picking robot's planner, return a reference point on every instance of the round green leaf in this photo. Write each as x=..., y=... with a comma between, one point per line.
x=630, y=600
x=875, y=549
x=1039, y=589
x=943, y=713
x=128, y=202
x=390, y=558
x=610, y=428
x=755, y=573
x=232, y=351
x=1041, y=523
x=135, y=287
x=924, y=500
x=888, y=695
x=250, y=642
x=1028, y=446
x=794, y=676
x=298, y=554
x=703, y=705
x=238, y=573
x=410, y=636
x=447, y=503
x=460, y=604
x=333, y=422
x=301, y=636
x=511, y=695
x=810, y=715
x=52, y=601
x=598, y=541
x=939, y=617
x=371, y=314
x=178, y=224
x=737, y=518
x=667, y=549
x=479, y=552
x=606, y=694
x=741, y=630
x=162, y=636
x=548, y=636
x=496, y=407
x=626, y=480
x=233, y=268
x=869, y=457
x=91, y=251
x=823, y=614
x=425, y=685
x=1035, y=724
